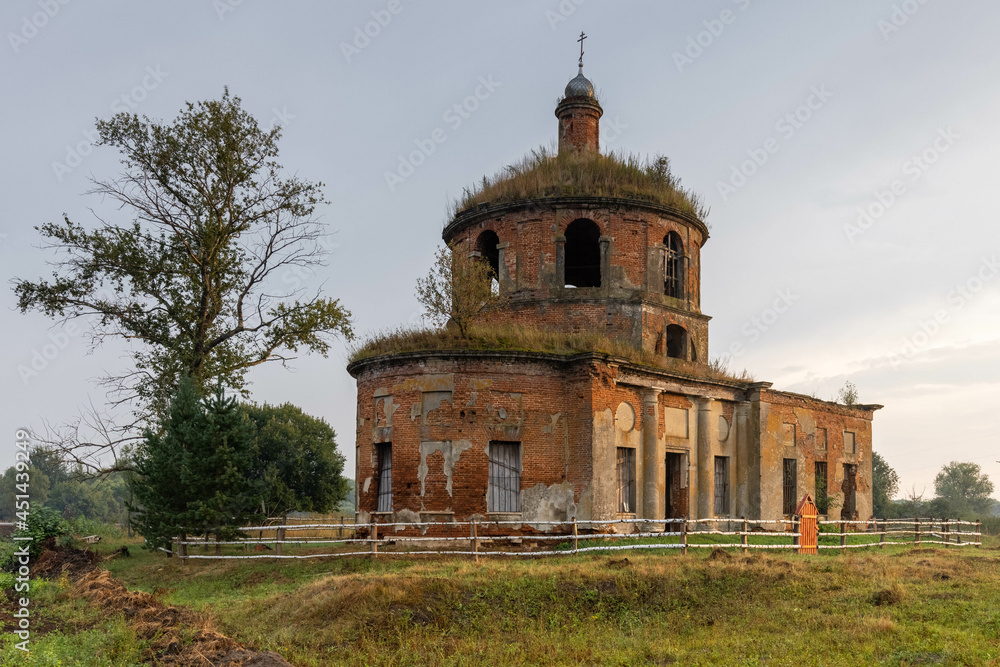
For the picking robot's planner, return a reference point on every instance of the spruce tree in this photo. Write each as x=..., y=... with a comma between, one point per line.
x=160, y=498
x=192, y=474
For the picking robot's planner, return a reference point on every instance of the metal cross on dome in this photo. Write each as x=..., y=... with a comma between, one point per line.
x=582, y=37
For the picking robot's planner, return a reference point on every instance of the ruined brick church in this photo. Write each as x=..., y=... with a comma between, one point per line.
x=532, y=436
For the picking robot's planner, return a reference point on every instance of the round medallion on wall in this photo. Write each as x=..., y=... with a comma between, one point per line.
x=625, y=417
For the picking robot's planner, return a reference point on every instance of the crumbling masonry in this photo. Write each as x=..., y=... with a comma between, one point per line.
x=535, y=437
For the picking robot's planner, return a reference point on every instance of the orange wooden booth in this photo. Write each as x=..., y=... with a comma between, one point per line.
x=808, y=525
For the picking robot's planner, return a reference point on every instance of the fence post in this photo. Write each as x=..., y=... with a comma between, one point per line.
x=916, y=531
x=881, y=537
x=796, y=524
x=182, y=550
x=340, y=529
x=475, y=542
x=684, y=536
x=374, y=537
x=279, y=535
x=958, y=536
x=979, y=533
x=746, y=531
x=946, y=532
x=576, y=543
x=843, y=535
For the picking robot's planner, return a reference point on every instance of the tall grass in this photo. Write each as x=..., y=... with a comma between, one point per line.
x=542, y=173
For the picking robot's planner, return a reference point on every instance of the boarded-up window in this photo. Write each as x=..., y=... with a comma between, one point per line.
x=788, y=434
x=721, y=485
x=821, y=439
x=504, y=491
x=789, y=486
x=383, y=453
x=626, y=480
x=850, y=447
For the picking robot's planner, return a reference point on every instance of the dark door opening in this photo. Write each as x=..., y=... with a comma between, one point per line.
x=850, y=487
x=677, y=502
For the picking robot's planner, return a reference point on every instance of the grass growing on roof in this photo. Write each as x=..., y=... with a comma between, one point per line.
x=520, y=338
x=542, y=174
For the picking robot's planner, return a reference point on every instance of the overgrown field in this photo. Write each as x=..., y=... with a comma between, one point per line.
x=893, y=607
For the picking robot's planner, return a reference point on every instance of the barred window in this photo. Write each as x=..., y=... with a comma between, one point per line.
x=383, y=453
x=626, y=480
x=790, y=486
x=721, y=485
x=504, y=491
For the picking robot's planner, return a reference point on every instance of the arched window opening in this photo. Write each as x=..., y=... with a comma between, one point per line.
x=486, y=246
x=673, y=266
x=677, y=341
x=583, y=254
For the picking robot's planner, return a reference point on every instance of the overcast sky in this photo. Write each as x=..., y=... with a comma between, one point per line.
x=792, y=119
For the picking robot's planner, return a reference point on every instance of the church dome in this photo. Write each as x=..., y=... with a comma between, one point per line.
x=580, y=86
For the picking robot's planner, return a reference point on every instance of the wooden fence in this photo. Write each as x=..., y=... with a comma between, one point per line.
x=290, y=540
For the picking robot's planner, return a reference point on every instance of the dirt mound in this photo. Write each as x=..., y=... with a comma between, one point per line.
x=719, y=554
x=153, y=620
x=74, y=562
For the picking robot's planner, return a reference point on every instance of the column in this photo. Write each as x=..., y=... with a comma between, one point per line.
x=706, y=467
x=653, y=458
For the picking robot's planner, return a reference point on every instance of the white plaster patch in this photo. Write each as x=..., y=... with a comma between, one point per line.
x=368, y=483
x=451, y=450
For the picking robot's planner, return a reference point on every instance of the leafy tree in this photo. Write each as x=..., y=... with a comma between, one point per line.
x=885, y=486
x=192, y=473
x=297, y=458
x=38, y=487
x=458, y=289
x=963, y=490
x=188, y=278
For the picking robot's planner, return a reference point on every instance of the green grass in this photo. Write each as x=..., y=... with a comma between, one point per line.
x=895, y=606
x=542, y=174
x=66, y=632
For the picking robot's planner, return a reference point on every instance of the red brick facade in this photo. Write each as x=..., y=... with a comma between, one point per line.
x=541, y=437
